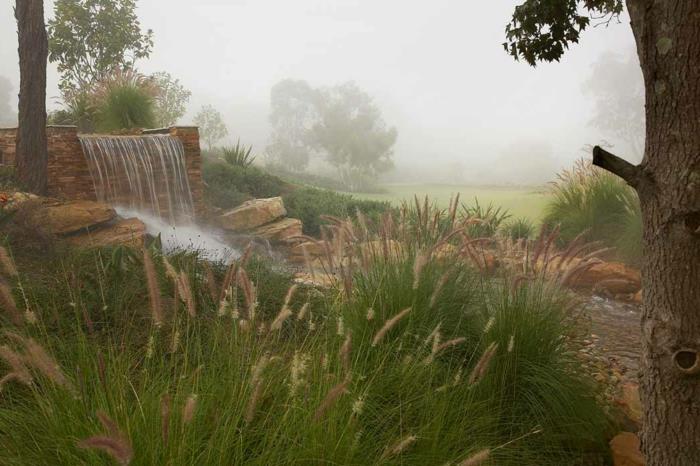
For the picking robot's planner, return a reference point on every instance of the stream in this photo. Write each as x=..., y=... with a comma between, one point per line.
x=616, y=324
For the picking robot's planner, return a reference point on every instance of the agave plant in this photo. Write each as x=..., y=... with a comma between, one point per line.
x=239, y=155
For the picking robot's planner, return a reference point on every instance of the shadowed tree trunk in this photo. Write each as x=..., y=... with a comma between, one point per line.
x=32, y=157
x=668, y=182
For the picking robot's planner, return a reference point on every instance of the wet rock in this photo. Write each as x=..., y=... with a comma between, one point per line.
x=281, y=231
x=62, y=218
x=631, y=404
x=614, y=278
x=128, y=232
x=625, y=450
x=310, y=250
x=253, y=214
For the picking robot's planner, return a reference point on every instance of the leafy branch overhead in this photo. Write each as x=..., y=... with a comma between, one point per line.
x=542, y=30
x=90, y=38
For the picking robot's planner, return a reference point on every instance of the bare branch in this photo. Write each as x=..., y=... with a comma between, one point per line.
x=617, y=166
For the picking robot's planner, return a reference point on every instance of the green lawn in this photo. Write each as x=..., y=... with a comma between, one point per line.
x=521, y=202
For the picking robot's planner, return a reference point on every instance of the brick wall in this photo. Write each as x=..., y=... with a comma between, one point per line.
x=68, y=172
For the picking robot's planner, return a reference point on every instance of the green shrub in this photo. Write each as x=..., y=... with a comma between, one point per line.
x=309, y=204
x=230, y=185
x=590, y=201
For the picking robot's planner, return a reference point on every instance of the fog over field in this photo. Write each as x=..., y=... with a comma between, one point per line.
x=465, y=111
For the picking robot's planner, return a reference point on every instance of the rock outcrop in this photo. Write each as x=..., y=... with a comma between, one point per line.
x=127, y=232
x=625, y=450
x=253, y=214
x=62, y=218
x=282, y=231
x=612, y=277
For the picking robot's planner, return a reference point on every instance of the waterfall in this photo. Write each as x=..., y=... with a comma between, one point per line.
x=145, y=173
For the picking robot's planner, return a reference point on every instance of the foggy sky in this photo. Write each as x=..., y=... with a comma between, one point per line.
x=436, y=69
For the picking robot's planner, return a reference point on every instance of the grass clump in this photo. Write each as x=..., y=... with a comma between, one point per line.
x=519, y=228
x=412, y=357
x=591, y=202
x=486, y=220
x=124, y=101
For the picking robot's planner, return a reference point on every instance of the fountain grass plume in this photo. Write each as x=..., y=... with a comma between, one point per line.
x=388, y=325
x=154, y=295
x=16, y=362
x=115, y=443
x=7, y=263
x=8, y=303
x=331, y=398
x=399, y=447
x=477, y=458
x=188, y=410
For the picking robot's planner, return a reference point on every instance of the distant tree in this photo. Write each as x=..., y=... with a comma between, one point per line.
x=667, y=34
x=617, y=85
x=352, y=133
x=31, y=151
x=294, y=112
x=8, y=117
x=211, y=125
x=90, y=38
x=341, y=123
x=170, y=102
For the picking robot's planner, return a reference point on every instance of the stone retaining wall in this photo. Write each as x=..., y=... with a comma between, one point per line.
x=68, y=173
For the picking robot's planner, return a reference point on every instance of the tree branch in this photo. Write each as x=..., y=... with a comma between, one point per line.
x=617, y=166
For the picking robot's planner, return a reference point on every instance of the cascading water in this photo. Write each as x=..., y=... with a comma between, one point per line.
x=146, y=173
x=146, y=177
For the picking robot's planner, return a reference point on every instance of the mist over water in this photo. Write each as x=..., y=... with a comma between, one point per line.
x=179, y=237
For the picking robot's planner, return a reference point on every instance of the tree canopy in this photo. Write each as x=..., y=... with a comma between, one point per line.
x=341, y=123
x=542, y=30
x=90, y=38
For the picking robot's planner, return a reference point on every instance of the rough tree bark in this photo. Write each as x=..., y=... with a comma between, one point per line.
x=667, y=33
x=32, y=157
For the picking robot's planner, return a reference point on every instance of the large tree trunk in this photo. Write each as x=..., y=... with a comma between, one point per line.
x=32, y=157
x=668, y=182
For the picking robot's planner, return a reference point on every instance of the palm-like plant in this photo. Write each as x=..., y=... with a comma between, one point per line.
x=239, y=155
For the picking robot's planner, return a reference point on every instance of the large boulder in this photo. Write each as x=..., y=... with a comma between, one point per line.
x=625, y=450
x=128, y=232
x=281, y=231
x=63, y=218
x=304, y=250
x=253, y=214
